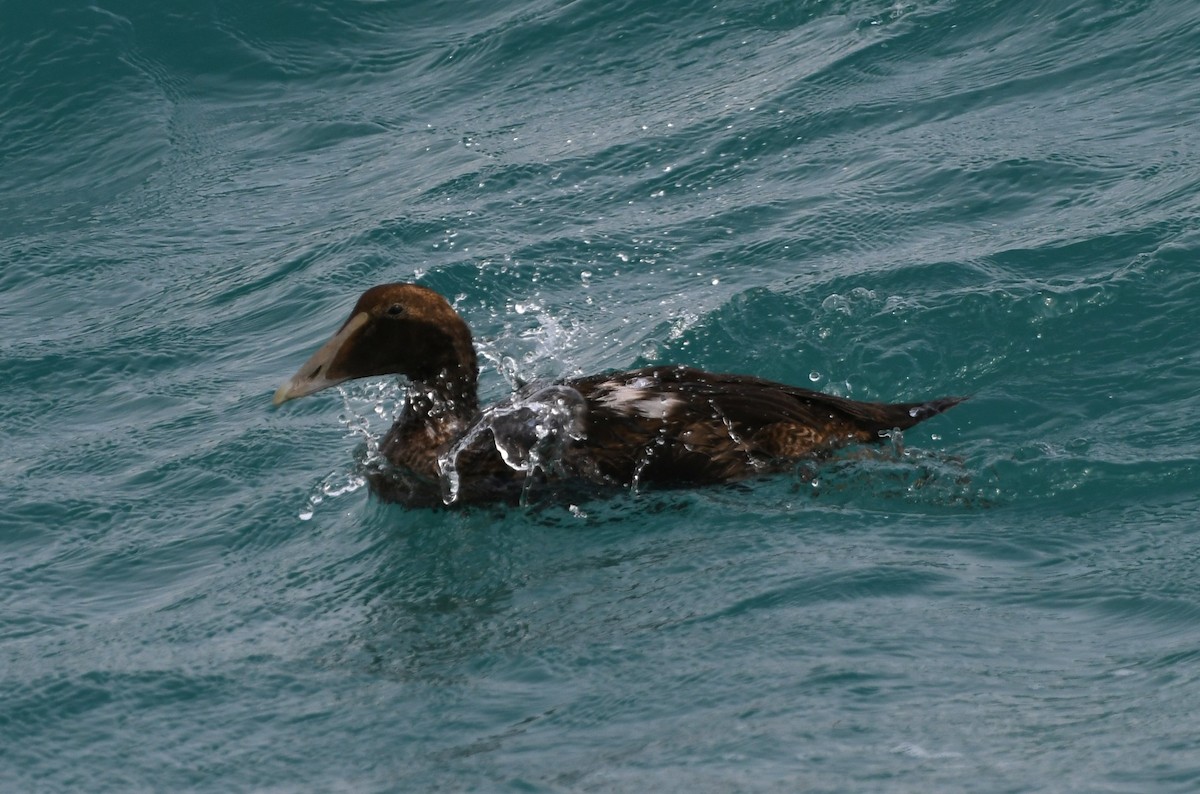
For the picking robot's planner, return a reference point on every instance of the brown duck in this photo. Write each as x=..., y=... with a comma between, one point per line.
x=661, y=426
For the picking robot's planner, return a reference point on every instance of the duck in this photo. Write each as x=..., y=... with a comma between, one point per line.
x=664, y=426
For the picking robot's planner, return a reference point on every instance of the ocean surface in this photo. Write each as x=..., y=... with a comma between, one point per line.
x=884, y=200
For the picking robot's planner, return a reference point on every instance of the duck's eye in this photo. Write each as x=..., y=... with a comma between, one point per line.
x=395, y=310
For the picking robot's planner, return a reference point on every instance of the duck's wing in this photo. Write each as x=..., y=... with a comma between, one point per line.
x=680, y=423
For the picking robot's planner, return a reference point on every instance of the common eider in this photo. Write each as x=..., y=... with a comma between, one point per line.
x=665, y=426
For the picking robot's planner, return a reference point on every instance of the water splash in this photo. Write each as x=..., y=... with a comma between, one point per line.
x=531, y=430
x=337, y=483
x=895, y=441
x=546, y=349
x=367, y=413
x=363, y=407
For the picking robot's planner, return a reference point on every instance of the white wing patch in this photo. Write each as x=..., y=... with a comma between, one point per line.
x=638, y=396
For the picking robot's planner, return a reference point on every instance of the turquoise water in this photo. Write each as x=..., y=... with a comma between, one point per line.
x=887, y=200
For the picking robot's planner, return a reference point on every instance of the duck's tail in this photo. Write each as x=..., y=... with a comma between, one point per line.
x=905, y=415
x=876, y=419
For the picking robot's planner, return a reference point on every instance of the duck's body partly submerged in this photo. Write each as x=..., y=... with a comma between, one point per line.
x=664, y=426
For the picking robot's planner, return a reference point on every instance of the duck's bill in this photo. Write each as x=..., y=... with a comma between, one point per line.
x=319, y=372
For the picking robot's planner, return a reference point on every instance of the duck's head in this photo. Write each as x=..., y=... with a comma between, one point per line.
x=394, y=329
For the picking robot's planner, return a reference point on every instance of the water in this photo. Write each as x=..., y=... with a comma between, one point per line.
x=887, y=200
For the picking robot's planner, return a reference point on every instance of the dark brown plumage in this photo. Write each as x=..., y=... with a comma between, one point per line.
x=666, y=426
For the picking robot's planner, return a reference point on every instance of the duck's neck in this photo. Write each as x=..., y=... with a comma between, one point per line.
x=452, y=397
x=436, y=412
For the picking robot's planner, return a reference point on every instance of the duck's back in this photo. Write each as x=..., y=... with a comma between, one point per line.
x=679, y=425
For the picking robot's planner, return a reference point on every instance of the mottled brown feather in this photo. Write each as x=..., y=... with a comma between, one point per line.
x=729, y=427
